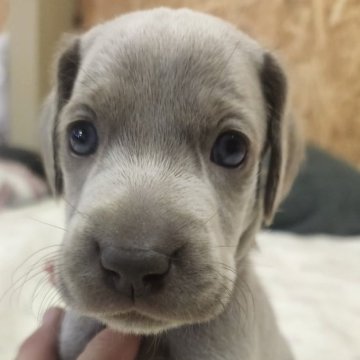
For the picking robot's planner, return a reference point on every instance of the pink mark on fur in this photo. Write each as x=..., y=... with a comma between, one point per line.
x=50, y=270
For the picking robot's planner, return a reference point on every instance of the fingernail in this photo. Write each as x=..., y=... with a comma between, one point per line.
x=50, y=316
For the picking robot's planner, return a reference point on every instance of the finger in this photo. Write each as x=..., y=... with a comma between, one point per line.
x=110, y=345
x=42, y=344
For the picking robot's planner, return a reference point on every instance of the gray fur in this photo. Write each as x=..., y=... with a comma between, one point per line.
x=160, y=85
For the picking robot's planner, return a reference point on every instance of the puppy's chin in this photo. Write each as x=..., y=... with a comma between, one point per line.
x=134, y=322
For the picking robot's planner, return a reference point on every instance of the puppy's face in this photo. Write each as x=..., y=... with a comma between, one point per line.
x=158, y=126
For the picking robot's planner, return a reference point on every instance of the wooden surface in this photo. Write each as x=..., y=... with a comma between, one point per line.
x=318, y=41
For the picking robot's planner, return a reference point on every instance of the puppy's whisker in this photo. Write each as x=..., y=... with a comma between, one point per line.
x=50, y=294
x=76, y=210
x=48, y=224
x=226, y=267
x=54, y=299
x=29, y=258
x=18, y=289
x=40, y=263
x=44, y=303
x=40, y=286
x=35, y=270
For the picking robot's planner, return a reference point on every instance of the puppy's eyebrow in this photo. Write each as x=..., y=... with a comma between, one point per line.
x=77, y=112
x=228, y=106
x=233, y=114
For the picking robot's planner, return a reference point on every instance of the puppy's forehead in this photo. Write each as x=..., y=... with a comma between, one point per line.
x=173, y=66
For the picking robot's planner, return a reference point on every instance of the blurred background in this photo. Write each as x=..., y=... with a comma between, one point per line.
x=311, y=269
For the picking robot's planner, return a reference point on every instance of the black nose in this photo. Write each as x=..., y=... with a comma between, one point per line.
x=134, y=272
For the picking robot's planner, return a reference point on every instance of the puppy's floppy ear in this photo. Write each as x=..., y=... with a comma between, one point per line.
x=67, y=67
x=284, y=142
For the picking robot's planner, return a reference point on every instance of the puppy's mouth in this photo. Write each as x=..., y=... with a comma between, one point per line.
x=130, y=320
x=187, y=297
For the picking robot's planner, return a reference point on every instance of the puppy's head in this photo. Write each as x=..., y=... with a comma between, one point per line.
x=167, y=135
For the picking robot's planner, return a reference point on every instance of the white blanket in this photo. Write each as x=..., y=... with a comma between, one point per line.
x=313, y=282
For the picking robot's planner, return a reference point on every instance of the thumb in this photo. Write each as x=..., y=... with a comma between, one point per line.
x=110, y=345
x=42, y=344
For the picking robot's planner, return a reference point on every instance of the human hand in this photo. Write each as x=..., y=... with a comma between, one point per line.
x=107, y=345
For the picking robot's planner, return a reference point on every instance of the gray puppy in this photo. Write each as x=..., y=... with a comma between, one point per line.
x=168, y=135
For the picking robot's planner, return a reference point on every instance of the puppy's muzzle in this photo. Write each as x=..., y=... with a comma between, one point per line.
x=133, y=272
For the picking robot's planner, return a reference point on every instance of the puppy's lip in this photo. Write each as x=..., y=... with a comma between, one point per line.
x=132, y=312
x=134, y=318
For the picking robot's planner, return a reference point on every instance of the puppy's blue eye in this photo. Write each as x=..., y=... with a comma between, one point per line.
x=83, y=138
x=230, y=149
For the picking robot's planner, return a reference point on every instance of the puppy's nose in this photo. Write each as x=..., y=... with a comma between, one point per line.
x=134, y=272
